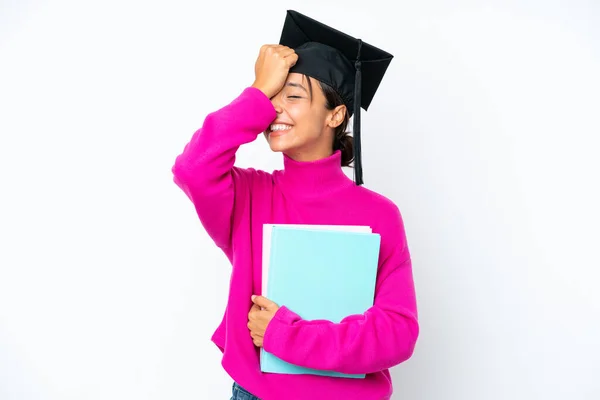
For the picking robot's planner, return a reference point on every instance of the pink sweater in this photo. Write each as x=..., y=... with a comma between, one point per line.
x=233, y=204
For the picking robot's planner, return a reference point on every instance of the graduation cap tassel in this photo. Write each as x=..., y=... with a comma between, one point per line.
x=356, y=123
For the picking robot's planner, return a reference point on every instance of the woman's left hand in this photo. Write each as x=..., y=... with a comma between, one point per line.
x=258, y=319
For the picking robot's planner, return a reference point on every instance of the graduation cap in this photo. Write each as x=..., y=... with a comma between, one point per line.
x=353, y=68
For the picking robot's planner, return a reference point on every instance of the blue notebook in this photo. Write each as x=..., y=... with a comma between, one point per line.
x=318, y=273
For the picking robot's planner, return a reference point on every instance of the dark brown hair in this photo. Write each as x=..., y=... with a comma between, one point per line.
x=342, y=139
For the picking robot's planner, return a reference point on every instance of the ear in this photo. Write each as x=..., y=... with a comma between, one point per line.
x=336, y=117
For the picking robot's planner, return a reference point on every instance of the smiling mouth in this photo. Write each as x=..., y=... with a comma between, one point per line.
x=278, y=129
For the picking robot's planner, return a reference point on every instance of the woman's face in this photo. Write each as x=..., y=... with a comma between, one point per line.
x=302, y=128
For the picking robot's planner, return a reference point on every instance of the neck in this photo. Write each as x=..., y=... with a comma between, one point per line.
x=314, y=177
x=309, y=156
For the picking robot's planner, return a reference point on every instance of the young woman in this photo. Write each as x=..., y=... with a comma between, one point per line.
x=305, y=119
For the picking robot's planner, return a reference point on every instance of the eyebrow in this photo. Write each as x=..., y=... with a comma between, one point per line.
x=297, y=85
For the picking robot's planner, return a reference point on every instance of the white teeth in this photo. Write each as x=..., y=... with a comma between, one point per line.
x=280, y=127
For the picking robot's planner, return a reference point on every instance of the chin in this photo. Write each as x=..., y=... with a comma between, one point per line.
x=279, y=146
x=279, y=149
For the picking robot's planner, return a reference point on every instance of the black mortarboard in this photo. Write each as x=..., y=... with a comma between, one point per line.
x=350, y=66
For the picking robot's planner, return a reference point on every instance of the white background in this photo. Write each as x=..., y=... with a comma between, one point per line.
x=484, y=132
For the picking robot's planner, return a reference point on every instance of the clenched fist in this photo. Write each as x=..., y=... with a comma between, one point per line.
x=272, y=68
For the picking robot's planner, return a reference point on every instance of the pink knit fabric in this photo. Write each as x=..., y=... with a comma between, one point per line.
x=233, y=204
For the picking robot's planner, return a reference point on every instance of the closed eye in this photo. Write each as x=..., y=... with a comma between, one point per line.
x=294, y=97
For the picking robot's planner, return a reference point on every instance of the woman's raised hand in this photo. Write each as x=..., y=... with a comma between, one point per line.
x=272, y=68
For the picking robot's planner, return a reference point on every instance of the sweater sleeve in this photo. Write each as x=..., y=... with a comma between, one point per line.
x=382, y=337
x=205, y=169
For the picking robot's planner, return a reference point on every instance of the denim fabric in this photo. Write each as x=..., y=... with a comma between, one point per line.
x=239, y=393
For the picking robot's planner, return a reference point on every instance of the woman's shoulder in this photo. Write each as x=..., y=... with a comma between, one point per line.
x=372, y=199
x=380, y=211
x=383, y=215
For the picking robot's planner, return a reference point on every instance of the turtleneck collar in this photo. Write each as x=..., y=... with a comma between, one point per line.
x=315, y=177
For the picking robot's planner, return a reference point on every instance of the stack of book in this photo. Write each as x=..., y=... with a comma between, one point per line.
x=320, y=272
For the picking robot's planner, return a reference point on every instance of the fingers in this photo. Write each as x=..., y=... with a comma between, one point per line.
x=265, y=47
x=257, y=339
x=258, y=300
x=272, y=68
x=274, y=46
x=286, y=52
x=255, y=335
x=263, y=302
x=252, y=326
x=277, y=50
x=254, y=308
x=292, y=59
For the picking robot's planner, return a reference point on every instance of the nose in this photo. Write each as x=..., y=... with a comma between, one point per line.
x=276, y=104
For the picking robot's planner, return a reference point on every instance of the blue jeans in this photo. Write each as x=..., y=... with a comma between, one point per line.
x=239, y=393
